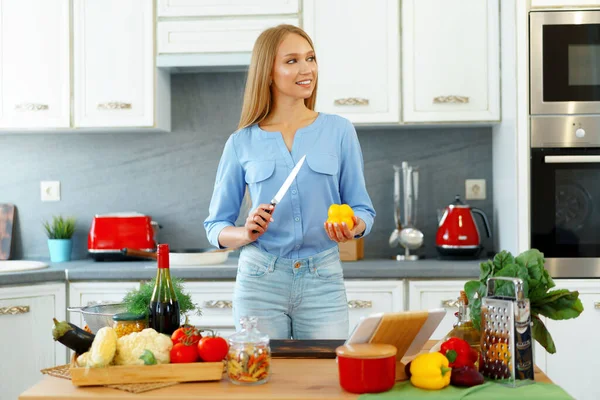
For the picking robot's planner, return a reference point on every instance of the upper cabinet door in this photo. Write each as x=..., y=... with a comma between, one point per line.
x=114, y=63
x=450, y=60
x=34, y=64
x=201, y=8
x=358, y=57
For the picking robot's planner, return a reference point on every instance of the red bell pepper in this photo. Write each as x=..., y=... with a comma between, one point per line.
x=459, y=353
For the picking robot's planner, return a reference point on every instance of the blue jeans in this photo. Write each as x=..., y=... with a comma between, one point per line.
x=299, y=299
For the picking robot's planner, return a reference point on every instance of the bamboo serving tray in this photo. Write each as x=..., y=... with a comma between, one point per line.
x=122, y=374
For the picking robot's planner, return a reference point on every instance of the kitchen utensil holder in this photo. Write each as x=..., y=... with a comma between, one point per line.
x=506, y=340
x=409, y=189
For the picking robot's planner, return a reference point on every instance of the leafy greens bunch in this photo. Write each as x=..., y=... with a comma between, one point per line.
x=138, y=300
x=529, y=266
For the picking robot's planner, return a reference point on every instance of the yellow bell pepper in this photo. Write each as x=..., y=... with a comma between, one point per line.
x=341, y=213
x=430, y=371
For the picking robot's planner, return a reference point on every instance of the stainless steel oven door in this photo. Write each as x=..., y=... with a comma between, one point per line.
x=565, y=62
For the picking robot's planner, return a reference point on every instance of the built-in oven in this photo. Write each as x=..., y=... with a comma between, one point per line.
x=565, y=62
x=565, y=193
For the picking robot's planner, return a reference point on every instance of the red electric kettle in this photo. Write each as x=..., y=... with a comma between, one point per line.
x=457, y=233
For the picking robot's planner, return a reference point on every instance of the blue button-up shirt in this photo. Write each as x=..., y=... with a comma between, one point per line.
x=333, y=172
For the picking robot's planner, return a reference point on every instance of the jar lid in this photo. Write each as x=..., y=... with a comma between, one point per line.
x=128, y=317
x=366, y=350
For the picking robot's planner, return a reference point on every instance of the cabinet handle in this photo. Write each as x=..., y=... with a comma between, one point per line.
x=360, y=304
x=114, y=105
x=450, y=303
x=597, y=305
x=450, y=99
x=351, y=101
x=218, y=304
x=14, y=310
x=31, y=107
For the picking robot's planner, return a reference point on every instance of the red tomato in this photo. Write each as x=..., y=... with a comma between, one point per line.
x=186, y=334
x=212, y=348
x=181, y=353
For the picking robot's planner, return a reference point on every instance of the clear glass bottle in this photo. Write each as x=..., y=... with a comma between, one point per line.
x=249, y=356
x=164, y=308
x=463, y=327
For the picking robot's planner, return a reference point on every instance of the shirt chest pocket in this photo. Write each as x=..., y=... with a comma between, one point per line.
x=258, y=171
x=323, y=163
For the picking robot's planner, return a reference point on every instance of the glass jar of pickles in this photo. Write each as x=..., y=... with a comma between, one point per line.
x=249, y=356
x=126, y=323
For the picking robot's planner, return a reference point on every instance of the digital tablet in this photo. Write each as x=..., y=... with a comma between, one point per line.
x=367, y=326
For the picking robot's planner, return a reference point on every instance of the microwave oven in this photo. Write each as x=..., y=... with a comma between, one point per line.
x=564, y=62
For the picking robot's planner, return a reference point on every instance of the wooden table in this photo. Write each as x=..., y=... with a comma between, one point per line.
x=291, y=379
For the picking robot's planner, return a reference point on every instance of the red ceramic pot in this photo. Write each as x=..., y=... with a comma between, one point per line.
x=366, y=368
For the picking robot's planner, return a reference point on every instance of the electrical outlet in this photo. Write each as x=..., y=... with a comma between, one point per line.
x=475, y=189
x=50, y=190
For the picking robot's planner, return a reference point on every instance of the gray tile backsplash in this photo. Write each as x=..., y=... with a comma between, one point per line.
x=170, y=175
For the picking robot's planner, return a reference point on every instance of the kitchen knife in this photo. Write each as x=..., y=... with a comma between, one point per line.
x=286, y=184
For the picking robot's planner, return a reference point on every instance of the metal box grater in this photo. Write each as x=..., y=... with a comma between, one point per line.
x=506, y=341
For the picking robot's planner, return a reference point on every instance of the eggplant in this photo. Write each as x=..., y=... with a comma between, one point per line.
x=72, y=336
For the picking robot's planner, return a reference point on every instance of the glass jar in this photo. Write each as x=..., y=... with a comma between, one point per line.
x=249, y=356
x=126, y=323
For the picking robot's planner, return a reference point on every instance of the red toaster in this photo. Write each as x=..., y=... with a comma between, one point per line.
x=110, y=233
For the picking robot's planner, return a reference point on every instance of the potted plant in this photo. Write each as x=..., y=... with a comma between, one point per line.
x=60, y=232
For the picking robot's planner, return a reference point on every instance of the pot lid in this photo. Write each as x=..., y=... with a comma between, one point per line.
x=366, y=350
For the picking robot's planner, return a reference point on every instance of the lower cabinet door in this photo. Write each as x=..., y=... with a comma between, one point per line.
x=26, y=314
x=370, y=297
x=427, y=295
x=576, y=363
x=215, y=299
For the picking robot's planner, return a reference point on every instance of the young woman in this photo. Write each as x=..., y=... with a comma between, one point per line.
x=289, y=271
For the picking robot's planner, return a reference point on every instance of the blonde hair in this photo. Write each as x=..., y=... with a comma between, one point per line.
x=257, y=96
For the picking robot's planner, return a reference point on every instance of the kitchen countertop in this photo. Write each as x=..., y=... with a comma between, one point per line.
x=291, y=379
x=90, y=270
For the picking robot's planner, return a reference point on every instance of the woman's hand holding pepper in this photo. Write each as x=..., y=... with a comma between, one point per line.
x=340, y=232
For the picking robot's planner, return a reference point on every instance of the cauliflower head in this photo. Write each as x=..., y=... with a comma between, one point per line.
x=131, y=347
x=103, y=349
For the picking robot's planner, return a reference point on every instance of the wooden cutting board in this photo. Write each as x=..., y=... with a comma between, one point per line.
x=7, y=216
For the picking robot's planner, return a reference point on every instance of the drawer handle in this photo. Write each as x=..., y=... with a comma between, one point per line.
x=31, y=107
x=360, y=304
x=450, y=303
x=218, y=304
x=450, y=99
x=14, y=310
x=114, y=105
x=597, y=305
x=351, y=101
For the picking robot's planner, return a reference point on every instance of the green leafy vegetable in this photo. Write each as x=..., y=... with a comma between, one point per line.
x=537, y=282
x=148, y=358
x=138, y=300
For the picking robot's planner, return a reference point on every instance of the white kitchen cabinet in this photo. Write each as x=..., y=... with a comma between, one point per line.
x=202, y=8
x=364, y=298
x=35, y=65
x=450, y=60
x=215, y=301
x=116, y=83
x=26, y=314
x=575, y=364
x=427, y=295
x=215, y=36
x=370, y=297
x=564, y=3
x=357, y=44
x=83, y=294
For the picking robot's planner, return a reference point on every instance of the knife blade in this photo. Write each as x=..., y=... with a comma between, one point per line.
x=286, y=185
x=288, y=182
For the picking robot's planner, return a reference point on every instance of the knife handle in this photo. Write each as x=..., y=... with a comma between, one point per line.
x=268, y=212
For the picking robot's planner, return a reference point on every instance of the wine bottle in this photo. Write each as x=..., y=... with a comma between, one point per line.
x=164, y=307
